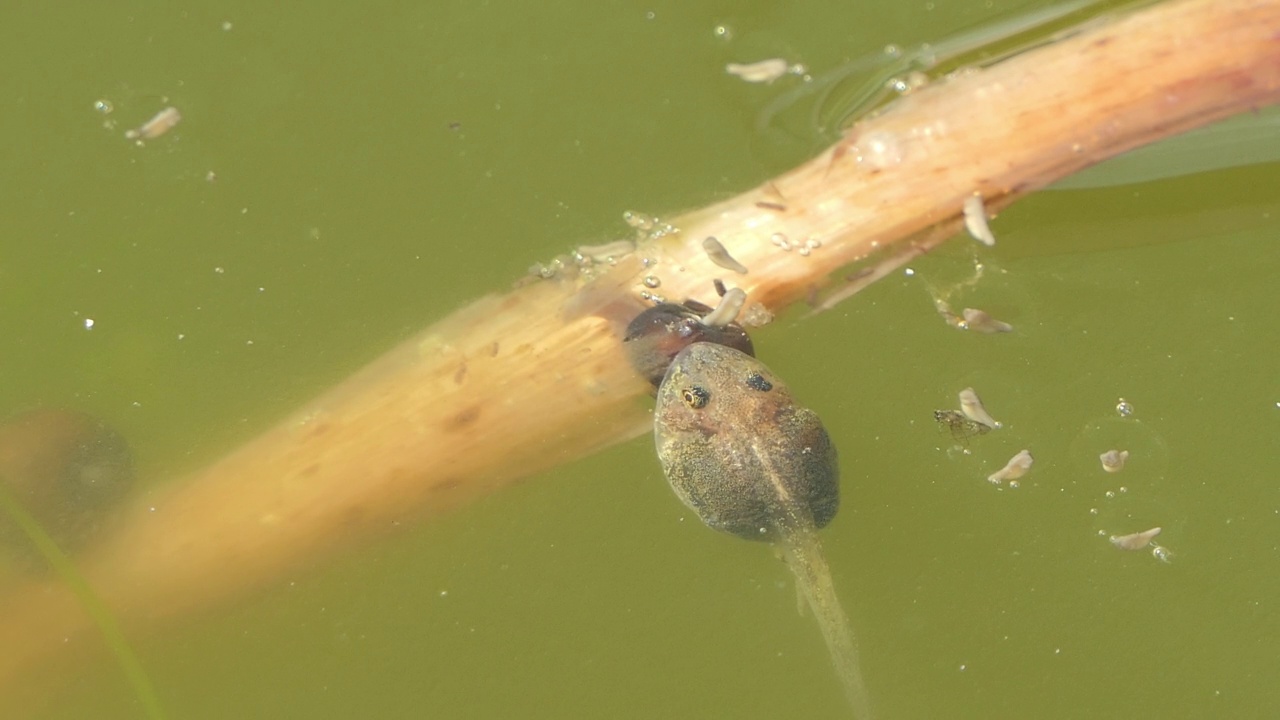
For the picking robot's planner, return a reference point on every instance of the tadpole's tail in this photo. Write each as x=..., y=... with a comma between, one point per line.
x=803, y=553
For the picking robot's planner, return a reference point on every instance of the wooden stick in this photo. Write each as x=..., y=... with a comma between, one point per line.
x=519, y=383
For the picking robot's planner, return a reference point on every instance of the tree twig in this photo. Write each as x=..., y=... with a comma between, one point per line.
x=518, y=383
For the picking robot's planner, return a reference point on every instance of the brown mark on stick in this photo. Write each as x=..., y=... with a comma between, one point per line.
x=460, y=420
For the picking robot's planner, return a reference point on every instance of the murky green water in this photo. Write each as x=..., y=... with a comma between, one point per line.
x=343, y=176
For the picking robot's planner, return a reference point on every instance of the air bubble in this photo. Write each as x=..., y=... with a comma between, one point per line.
x=1124, y=408
x=652, y=281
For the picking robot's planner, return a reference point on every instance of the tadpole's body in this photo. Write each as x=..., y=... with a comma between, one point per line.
x=739, y=451
x=65, y=468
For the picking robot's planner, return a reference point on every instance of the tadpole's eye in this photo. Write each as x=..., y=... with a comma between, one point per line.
x=696, y=397
x=756, y=381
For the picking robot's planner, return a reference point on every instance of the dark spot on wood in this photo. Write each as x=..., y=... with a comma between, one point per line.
x=354, y=516
x=461, y=420
x=766, y=205
x=493, y=349
x=461, y=374
x=446, y=485
x=309, y=470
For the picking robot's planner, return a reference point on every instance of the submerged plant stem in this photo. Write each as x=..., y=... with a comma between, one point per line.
x=98, y=612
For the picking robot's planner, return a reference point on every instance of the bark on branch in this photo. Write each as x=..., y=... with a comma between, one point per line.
x=518, y=383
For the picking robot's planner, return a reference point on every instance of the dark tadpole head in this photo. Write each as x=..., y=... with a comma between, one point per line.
x=658, y=334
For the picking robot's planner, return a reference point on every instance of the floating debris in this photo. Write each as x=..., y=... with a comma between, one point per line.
x=1113, y=460
x=163, y=122
x=809, y=246
x=913, y=81
x=1162, y=554
x=979, y=321
x=728, y=309
x=764, y=71
x=638, y=220
x=720, y=256
x=961, y=427
x=559, y=267
x=1017, y=466
x=1135, y=541
x=972, y=408
x=755, y=315
x=975, y=220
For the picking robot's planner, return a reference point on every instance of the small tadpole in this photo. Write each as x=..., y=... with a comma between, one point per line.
x=161, y=123
x=1135, y=541
x=975, y=220
x=762, y=71
x=717, y=253
x=1113, y=460
x=981, y=322
x=727, y=311
x=1017, y=466
x=971, y=406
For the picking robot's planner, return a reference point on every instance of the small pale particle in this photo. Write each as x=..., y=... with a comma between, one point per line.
x=1135, y=541
x=1017, y=466
x=1113, y=460
x=973, y=409
x=759, y=72
x=975, y=220
x=163, y=122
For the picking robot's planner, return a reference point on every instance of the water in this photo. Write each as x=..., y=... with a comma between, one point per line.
x=346, y=211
